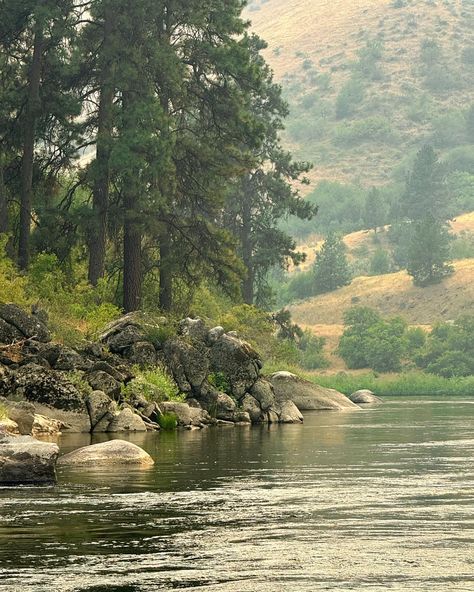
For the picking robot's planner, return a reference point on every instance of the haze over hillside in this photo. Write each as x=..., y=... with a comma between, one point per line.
x=370, y=81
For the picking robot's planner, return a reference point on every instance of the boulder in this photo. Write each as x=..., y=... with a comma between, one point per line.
x=121, y=341
x=238, y=361
x=288, y=412
x=188, y=365
x=8, y=426
x=127, y=421
x=262, y=391
x=46, y=426
x=100, y=406
x=250, y=405
x=195, y=329
x=40, y=385
x=365, y=397
x=141, y=353
x=120, y=373
x=9, y=333
x=307, y=395
x=185, y=414
x=215, y=334
x=22, y=413
x=218, y=404
x=102, y=381
x=73, y=422
x=24, y=460
x=6, y=381
x=28, y=325
x=242, y=417
x=114, y=452
x=68, y=359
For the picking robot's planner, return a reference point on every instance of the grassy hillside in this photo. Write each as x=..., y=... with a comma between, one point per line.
x=362, y=242
x=370, y=81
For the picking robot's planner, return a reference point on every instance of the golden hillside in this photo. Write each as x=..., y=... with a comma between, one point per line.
x=313, y=45
x=394, y=294
x=363, y=239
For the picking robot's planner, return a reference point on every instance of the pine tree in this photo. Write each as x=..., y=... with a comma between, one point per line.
x=267, y=193
x=428, y=253
x=331, y=269
x=375, y=210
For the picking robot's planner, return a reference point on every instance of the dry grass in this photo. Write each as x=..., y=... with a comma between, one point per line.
x=330, y=32
x=394, y=294
x=365, y=239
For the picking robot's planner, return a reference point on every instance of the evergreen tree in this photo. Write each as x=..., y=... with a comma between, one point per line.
x=331, y=269
x=375, y=210
x=429, y=252
x=267, y=193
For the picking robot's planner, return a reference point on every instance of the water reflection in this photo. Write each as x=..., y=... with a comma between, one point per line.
x=376, y=500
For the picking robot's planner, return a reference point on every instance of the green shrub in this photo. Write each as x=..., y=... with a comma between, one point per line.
x=350, y=97
x=168, y=421
x=3, y=412
x=220, y=381
x=12, y=284
x=380, y=263
x=155, y=385
x=373, y=129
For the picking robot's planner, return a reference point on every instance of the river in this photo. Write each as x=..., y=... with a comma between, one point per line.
x=381, y=499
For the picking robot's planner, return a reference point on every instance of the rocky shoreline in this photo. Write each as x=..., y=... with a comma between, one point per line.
x=48, y=388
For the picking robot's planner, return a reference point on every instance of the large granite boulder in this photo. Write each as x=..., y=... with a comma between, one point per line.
x=114, y=452
x=194, y=329
x=100, y=407
x=29, y=326
x=288, y=412
x=237, y=361
x=24, y=460
x=185, y=414
x=127, y=421
x=365, y=397
x=250, y=405
x=188, y=365
x=218, y=404
x=307, y=395
x=9, y=333
x=100, y=380
x=8, y=426
x=40, y=385
x=262, y=391
x=73, y=422
x=22, y=413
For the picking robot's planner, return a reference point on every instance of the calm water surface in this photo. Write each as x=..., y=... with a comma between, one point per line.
x=381, y=499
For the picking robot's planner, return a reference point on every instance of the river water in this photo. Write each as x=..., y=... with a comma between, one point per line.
x=381, y=499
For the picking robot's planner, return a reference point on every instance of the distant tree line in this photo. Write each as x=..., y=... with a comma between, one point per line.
x=173, y=100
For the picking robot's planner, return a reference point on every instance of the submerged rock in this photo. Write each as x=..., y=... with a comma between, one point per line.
x=114, y=452
x=307, y=395
x=24, y=461
x=365, y=397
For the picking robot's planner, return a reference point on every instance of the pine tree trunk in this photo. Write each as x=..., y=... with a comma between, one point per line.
x=100, y=192
x=166, y=276
x=30, y=121
x=248, y=285
x=132, y=254
x=4, y=226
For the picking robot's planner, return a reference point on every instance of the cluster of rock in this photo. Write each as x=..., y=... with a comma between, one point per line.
x=218, y=374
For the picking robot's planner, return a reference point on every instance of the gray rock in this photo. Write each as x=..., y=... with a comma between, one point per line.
x=102, y=381
x=185, y=414
x=28, y=325
x=120, y=342
x=22, y=413
x=188, y=365
x=262, y=390
x=68, y=359
x=24, y=460
x=46, y=426
x=114, y=452
x=72, y=422
x=289, y=413
x=100, y=406
x=307, y=395
x=141, y=353
x=40, y=385
x=9, y=333
x=242, y=417
x=8, y=426
x=195, y=329
x=238, y=361
x=122, y=375
x=219, y=405
x=127, y=421
x=251, y=406
x=215, y=334
x=365, y=397
x=6, y=381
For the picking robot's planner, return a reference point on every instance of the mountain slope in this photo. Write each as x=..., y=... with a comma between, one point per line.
x=404, y=68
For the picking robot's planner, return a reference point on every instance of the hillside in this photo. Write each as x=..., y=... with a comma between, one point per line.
x=361, y=243
x=370, y=81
